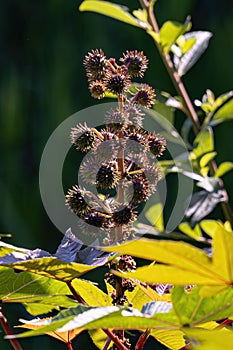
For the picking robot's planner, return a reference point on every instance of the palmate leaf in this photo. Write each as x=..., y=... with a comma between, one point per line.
x=53, y=268
x=92, y=295
x=37, y=293
x=188, y=309
x=203, y=339
x=183, y=264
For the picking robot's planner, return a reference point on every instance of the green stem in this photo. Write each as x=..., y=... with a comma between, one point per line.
x=190, y=111
x=7, y=329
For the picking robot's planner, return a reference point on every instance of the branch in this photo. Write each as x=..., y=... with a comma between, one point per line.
x=190, y=111
x=69, y=346
x=7, y=329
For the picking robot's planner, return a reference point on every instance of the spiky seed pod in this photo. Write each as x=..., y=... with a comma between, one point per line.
x=107, y=176
x=116, y=119
x=145, y=96
x=124, y=216
x=95, y=65
x=135, y=115
x=84, y=138
x=140, y=139
x=76, y=202
x=97, y=219
x=141, y=190
x=97, y=89
x=157, y=144
x=136, y=62
x=117, y=82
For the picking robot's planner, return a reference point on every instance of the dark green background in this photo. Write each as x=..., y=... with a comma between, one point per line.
x=42, y=82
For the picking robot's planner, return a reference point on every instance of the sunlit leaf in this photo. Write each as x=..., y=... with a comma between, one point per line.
x=172, y=339
x=204, y=142
x=37, y=293
x=184, y=264
x=192, y=232
x=65, y=337
x=224, y=113
x=223, y=169
x=53, y=268
x=155, y=216
x=203, y=339
x=184, y=63
x=169, y=33
x=111, y=10
x=98, y=337
x=206, y=158
x=92, y=295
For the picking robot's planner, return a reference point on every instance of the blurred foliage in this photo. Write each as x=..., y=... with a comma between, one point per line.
x=43, y=82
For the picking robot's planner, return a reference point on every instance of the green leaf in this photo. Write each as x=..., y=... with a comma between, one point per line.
x=193, y=309
x=98, y=337
x=207, y=158
x=223, y=169
x=53, y=268
x=92, y=295
x=37, y=293
x=169, y=33
x=111, y=10
x=192, y=232
x=172, y=339
x=181, y=263
x=224, y=113
x=84, y=317
x=203, y=339
x=192, y=51
x=155, y=216
x=204, y=142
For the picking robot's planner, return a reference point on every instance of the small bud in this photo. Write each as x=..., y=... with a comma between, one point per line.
x=117, y=82
x=76, y=202
x=84, y=138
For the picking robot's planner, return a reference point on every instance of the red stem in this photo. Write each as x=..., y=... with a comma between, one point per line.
x=69, y=346
x=115, y=339
x=109, y=333
x=7, y=329
x=224, y=323
x=142, y=340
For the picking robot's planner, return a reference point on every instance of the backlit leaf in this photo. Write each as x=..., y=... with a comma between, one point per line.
x=172, y=339
x=204, y=142
x=53, y=268
x=169, y=33
x=111, y=10
x=92, y=295
x=224, y=113
x=184, y=264
x=223, y=169
x=203, y=339
x=37, y=293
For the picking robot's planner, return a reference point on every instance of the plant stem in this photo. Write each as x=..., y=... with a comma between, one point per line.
x=69, y=346
x=109, y=333
x=142, y=340
x=190, y=111
x=75, y=294
x=115, y=339
x=224, y=323
x=7, y=329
